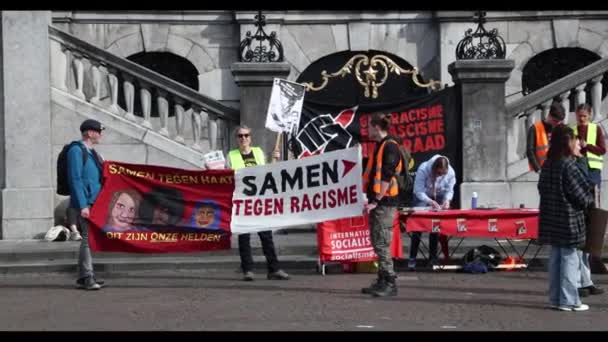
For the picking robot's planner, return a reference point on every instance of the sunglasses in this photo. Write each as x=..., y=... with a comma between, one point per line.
x=243, y=135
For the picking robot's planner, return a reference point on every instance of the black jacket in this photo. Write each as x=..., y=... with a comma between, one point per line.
x=565, y=193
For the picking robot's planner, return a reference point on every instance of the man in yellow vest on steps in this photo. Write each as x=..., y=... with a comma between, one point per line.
x=244, y=156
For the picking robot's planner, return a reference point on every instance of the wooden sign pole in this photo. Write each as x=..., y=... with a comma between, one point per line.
x=277, y=146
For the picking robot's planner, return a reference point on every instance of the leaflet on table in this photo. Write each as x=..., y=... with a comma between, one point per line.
x=414, y=209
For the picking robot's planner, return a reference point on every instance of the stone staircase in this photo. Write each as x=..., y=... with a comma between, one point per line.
x=176, y=124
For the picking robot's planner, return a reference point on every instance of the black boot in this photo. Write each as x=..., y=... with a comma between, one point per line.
x=597, y=266
x=387, y=288
x=375, y=285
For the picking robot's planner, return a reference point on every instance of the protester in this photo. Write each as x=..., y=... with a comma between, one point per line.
x=539, y=136
x=564, y=195
x=245, y=156
x=433, y=187
x=84, y=181
x=593, y=143
x=593, y=148
x=586, y=285
x=380, y=185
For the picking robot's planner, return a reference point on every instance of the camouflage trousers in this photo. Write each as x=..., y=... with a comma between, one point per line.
x=381, y=229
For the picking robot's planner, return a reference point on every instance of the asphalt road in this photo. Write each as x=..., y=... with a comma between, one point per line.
x=219, y=300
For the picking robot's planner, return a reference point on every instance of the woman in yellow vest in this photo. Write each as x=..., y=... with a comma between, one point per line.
x=593, y=143
x=244, y=156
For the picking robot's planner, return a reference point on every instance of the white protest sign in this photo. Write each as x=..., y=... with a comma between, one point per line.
x=215, y=160
x=309, y=190
x=285, y=106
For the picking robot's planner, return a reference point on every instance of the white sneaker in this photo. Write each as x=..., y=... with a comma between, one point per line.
x=75, y=236
x=582, y=307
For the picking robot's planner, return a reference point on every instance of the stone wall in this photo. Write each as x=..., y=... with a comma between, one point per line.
x=212, y=45
x=414, y=42
x=210, y=39
x=26, y=120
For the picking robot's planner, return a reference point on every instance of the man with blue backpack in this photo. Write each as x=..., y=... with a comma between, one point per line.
x=79, y=172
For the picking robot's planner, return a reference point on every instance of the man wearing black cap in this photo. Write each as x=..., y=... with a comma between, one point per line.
x=84, y=180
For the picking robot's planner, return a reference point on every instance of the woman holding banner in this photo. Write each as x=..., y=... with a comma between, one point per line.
x=244, y=156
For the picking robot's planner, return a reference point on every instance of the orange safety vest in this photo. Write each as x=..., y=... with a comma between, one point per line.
x=542, y=144
x=393, y=188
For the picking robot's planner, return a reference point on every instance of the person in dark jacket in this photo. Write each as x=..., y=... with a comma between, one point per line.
x=593, y=148
x=586, y=286
x=565, y=193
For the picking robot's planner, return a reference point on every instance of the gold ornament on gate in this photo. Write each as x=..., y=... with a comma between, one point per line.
x=366, y=72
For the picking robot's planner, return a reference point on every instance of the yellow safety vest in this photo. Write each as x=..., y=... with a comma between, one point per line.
x=237, y=162
x=393, y=188
x=595, y=161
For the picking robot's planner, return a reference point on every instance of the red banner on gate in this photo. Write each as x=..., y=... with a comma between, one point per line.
x=349, y=240
x=154, y=209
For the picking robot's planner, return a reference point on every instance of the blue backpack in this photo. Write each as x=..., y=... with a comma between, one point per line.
x=481, y=259
x=476, y=266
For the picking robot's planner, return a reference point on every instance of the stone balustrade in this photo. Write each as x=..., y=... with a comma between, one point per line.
x=69, y=55
x=577, y=87
x=589, y=78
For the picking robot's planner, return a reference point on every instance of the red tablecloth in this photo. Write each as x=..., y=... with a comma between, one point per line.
x=496, y=223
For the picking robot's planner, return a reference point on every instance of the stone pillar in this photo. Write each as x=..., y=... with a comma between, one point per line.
x=484, y=130
x=25, y=125
x=255, y=82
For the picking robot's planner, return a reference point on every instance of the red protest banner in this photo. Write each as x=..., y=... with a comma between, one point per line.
x=349, y=240
x=154, y=209
x=425, y=125
x=422, y=130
